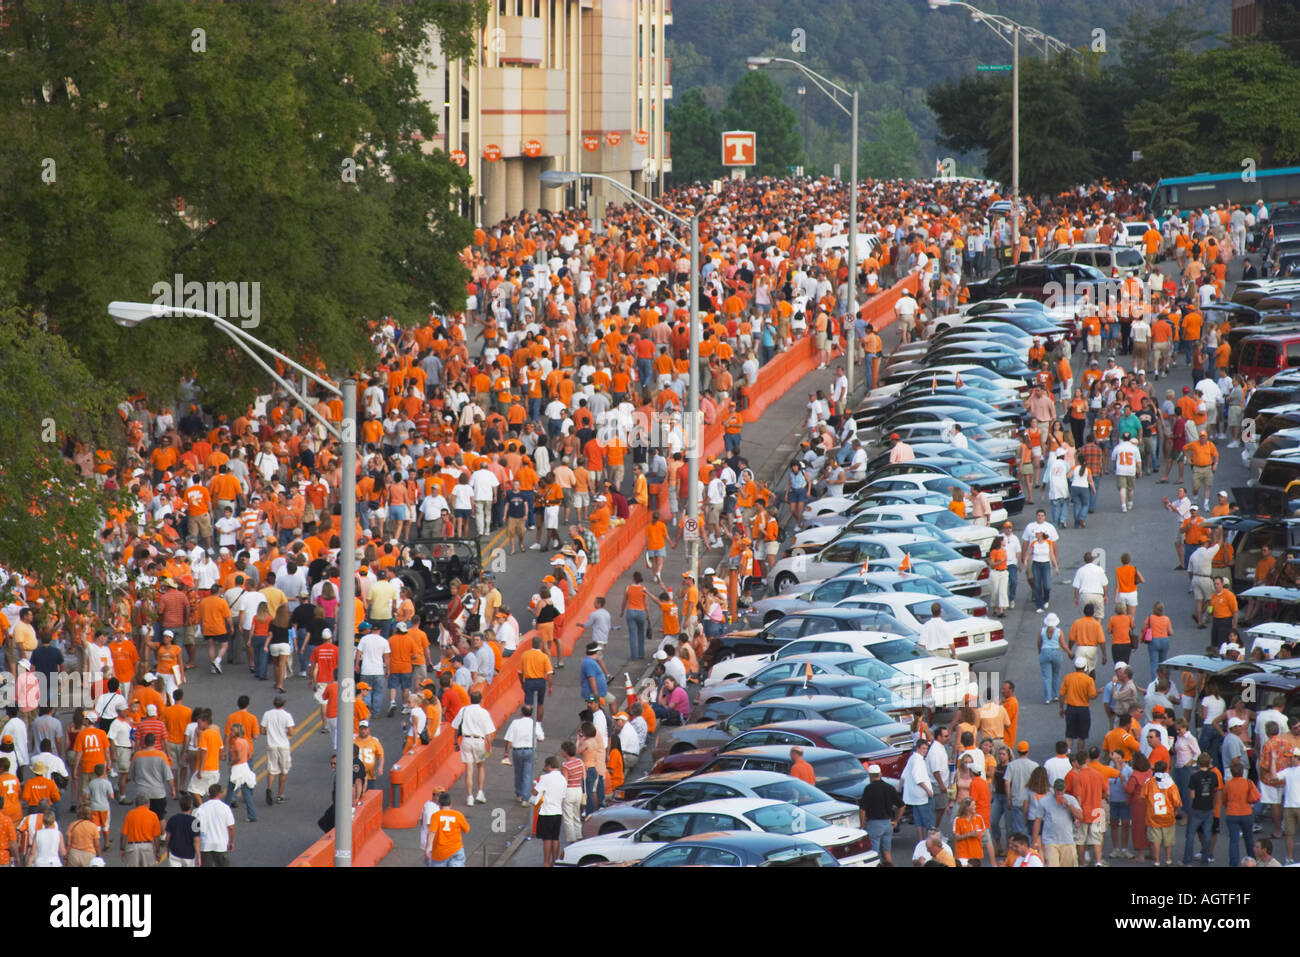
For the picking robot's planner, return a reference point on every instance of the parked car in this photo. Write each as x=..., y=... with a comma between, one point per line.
x=831, y=591
x=811, y=622
x=838, y=773
x=1117, y=262
x=853, y=550
x=974, y=638
x=833, y=736
x=1037, y=280
x=942, y=518
x=740, y=849
x=707, y=734
x=773, y=785
x=849, y=845
x=1263, y=356
x=841, y=686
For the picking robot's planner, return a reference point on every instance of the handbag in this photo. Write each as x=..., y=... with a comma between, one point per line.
x=1146, y=632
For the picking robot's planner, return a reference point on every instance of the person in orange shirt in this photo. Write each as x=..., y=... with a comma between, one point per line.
x=1162, y=803
x=89, y=749
x=634, y=610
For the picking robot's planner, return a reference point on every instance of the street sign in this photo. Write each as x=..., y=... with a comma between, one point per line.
x=613, y=137
x=641, y=137
x=691, y=530
x=993, y=68
x=458, y=157
x=591, y=143
x=532, y=147
x=738, y=148
x=491, y=152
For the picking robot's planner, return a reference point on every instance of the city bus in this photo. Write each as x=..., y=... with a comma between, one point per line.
x=1180, y=195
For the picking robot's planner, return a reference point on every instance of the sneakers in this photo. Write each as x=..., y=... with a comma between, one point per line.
x=469, y=801
x=535, y=546
x=216, y=667
x=506, y=761
x=481, y=798
x=281, y=799
x=1039, y=610
x=392, y=708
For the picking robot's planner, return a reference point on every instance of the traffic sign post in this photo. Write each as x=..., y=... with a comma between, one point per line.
x=993, y=68
x=691, y=530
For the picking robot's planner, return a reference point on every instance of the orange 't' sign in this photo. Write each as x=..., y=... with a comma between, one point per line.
x=738, y=148
x=458, y=157
x=613, y=138
x=491, y=152
x=591, y=143
x=532, y=147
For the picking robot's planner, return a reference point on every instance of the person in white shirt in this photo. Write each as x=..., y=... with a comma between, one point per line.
x=119, y=736
x=215, y=823
x=548, y=796
x=1127, y=459
x=506, y=628
x=936, y=634
x=474, y=728
x=1059, y=766
x=278, y=726
x=1012, y=544
x=372, y=652
x=522, y=737
x=1090, y=586
x=484, y=485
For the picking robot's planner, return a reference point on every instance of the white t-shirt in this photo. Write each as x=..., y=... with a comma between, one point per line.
x=462, y=496
x=1057, y=768
x=372, y=649
x=1126, y=457
x=277, y=723
x=213, y=819
x=228, y=528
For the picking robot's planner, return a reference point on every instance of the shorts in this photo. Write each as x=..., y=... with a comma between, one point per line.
x=202, y=780
x=1120, y=811
x=1027, y=469
x=551, y=515
x=1211, y=413
x=1202, y=587
x=548, y=827
x=712, y=514
x=581, y=499
x=1094, y=343
x=1078, y=721
x=219, y=637
x=881, y=833
x=188, y=634
x=771, y=549
x=1202, y=475
x=798, y=495
x=278, y=760
x=1159, y=837
x=399, y=681
x=1269, y=793
x=515, y=527
x=463, y=512
x=821, y=341
x=534, y=688
x=1290, y=820
x=279, y=649
x=1125, y=483
x=473, y=750
x=397, y=513
x=202, y=524
x=1127, y=597
x=1234, y=415
x=101, y=820
x=657, y=553
x=1090, y=833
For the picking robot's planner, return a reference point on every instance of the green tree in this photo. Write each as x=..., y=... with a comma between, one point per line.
x=890, y=151
x=697, y=138
x=755, y=103
x=1055, y=153
x=145, y=139
x=49, y=517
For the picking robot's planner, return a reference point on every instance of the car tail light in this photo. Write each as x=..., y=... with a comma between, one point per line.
x=980, y=612
x=851, y=848
x=961, y=641
x=984, y=573
x=1114, y=272
x=997, y=635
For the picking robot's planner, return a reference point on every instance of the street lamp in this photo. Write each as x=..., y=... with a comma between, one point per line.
x=835, y=91
x=554, y=179
x=131, y=314
x=1003, y=26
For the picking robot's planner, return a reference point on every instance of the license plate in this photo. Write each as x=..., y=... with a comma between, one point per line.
x=979, y=639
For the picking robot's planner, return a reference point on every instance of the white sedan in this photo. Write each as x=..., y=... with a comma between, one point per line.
x=849, y=845
x=940, y=517
x=850, y=550
x=975, y=638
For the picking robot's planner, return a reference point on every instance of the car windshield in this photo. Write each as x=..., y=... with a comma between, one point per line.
x=930, y=551
x=872, y=668
x=921, y=611
x=853, y=740
x=858, y=715
x=897, y=650
x=943, y=520
x=785, y=819
x=836, y=769
x=922, y=585
x=792, y=791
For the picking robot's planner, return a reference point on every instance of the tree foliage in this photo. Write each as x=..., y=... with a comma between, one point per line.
x=754, y=103
x=890, y=147
x=146, y=139
x=697, y=138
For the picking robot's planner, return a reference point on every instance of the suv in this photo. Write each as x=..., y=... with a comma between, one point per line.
x=1118, y=262
x=1038, y=280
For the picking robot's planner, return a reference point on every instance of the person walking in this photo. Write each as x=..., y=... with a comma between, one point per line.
x=142, y=834
x=1077, y=692
x=474, y=728
x=638, y=620
x=522, y=737
x=278, y=724
x=1205, y=787
x=242, y=779
x=548, y=797
x=880, y=809
x=918, y=789
x=1052, y=654
x=1040, y=558
x=443, y=837
x=182, y=835
x=216, y=824
x=575, y=779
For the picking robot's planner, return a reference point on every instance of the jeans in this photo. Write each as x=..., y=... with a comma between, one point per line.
x=1013, y=576
x=1157, y=651
x=1016, y=823
x=1182, y=778
x=638, y=624
x=522, y=759
x=259, y=655
x=247, y=794
x=1197, y=821
x=375, y=696
x=1082, y=499
x=1059, y=511
x=595, y=790
x=997, y=811
x=923, y=815
x=1240, y=828
x=456, y=860
x=1041, y=576
x=1049, y=664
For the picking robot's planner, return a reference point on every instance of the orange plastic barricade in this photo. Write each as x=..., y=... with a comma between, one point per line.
x=369, y=842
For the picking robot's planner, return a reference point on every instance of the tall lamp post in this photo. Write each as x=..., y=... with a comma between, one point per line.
x=835, y=91
x=554, y=179
x=130, y=315
x=1009, y=30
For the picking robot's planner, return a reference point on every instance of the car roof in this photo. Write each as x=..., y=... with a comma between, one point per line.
x=816, y=700
x=824, y=679
x=755, y=842
x=824, y=612
x=884, y=538
x=736, y=805
x=810, y=754
x=893, y=597
x=911, y=508
x=748, y=777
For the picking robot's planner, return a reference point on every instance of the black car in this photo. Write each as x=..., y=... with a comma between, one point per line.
x=838, y=773
x=1007, y=366
x=795, y=625
x=1264, y=519
x=1038, y=280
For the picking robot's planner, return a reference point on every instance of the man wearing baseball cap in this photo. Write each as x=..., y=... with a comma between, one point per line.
x=899, y=451
x=880, y=808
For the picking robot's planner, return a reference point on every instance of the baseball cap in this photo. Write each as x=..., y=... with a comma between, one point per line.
x=661, y=655
x=709, y=570
x=1196, y=508
x=168, y=631
x=1023, y=747
x=151, y=710
x=363, y=686
x=1081, y=662
x=1158, y=709
x=365, y=722
x=401, y=626
x=621, y=716
x=1007, y=524
x=327, y=633
x=873, y=769
x=150, y=677
x=1186, y=389
x=1224, y=494
x=1235, y=722
x=893, y=435
x=1057, y=785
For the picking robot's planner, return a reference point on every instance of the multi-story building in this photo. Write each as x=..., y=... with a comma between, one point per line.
x=558, y=84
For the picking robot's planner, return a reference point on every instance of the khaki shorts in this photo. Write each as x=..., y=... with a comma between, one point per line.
x=1093, y=833
x=1291, y=820
x=202, y=525
x=1125, y=483
x=1159, y=837
x=1202, y=587
x=202, y=780
x=278, y=760
x=821, y=341
x=1060, y=855
x=1202, y=475
x=473, y=750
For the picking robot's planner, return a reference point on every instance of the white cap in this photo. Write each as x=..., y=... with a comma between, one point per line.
x=1235, y=722
x=1081, y=662
x=661, y=655
x=151, y=710
x=1224, y=494
x=1052, y=620
x=168, y=631
x=873, y=769
x=709, y=570
x=150, y=677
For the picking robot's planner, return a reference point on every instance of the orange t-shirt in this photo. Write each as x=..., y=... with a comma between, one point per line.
x=93, y=745
x=656, y=538
x=968, y=837
x=211, y=740
x=1162, y=803
x=446, y=828
x=636, y=597
x=141, y=826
